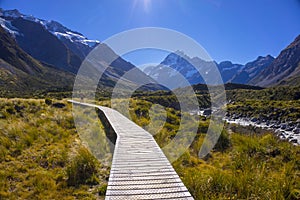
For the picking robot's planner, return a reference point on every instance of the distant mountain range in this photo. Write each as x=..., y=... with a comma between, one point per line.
x=265, y=71
x=178, y=64
x=40, y=55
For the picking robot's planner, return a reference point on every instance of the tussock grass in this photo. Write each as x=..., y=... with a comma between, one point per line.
x=241, y=166
x=255, y=167
x=41, y=156
x=268, y=109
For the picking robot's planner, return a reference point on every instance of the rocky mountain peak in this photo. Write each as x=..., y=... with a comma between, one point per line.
x=282, y=69
x=295, y=43
x=10, y=13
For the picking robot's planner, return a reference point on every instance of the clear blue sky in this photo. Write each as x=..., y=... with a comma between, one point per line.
x=236, y=30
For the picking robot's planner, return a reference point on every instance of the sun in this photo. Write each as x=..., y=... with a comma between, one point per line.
x=144, y=4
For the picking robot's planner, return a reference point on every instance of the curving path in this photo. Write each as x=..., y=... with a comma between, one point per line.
x=139, y=170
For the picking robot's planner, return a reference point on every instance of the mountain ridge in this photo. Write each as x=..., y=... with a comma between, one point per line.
x=264, y=71
x=52, y=44
x=252, y=69
x=189, y=68
x=284, y=68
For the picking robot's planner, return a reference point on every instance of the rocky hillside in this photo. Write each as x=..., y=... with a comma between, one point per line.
x=284, y=70
x=252, y=69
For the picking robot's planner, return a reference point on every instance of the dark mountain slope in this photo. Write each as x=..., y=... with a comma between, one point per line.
x=20, y=74
x=252, y=69
x=283, y=69
x=11, y=53
x=44, y=46
x=228, y=70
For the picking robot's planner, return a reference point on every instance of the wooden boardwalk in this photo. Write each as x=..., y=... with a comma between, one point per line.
x=139, y=170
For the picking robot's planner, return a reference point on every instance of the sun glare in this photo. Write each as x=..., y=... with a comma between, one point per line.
x=147, y=5
x=144, y=4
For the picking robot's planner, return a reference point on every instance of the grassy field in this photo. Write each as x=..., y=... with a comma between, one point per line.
x=253, y=167
x=241, y=166
x=43, y=157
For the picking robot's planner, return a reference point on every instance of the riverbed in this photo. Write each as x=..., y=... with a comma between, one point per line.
x=286, y=131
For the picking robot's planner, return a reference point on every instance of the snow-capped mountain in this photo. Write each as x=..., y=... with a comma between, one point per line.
x=54, y=27
x=178, y=66
x=56, y=46
x=47, y=40
x=176, y=70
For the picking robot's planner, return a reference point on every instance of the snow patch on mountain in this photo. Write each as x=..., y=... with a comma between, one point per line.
x=53, y=27
x=8, y=27
x=11, y=13
x=232, y=67
x=195, y=70
x=190, y=73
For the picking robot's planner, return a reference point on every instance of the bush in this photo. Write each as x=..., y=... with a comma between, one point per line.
x=48, y=101
x=223, y=142
x=83, y=169
x=102, y=189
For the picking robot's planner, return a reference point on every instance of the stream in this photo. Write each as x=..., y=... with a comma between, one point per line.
x=289, y=131
x=286, y=131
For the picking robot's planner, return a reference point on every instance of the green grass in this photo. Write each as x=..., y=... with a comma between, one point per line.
x=41, y=155
x=269, y=109
x=279, y=93
x=254, y=167
x=241, y=166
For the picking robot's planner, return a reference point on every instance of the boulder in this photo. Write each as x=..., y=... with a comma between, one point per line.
x=294, y=140
x=58, y=105
x=296, y=131
x=254, y=119
x=283, y=126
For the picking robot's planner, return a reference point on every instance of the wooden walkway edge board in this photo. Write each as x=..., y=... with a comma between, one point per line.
x=139, y=170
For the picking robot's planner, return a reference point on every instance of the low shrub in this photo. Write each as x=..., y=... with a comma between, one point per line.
x=83, y=169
